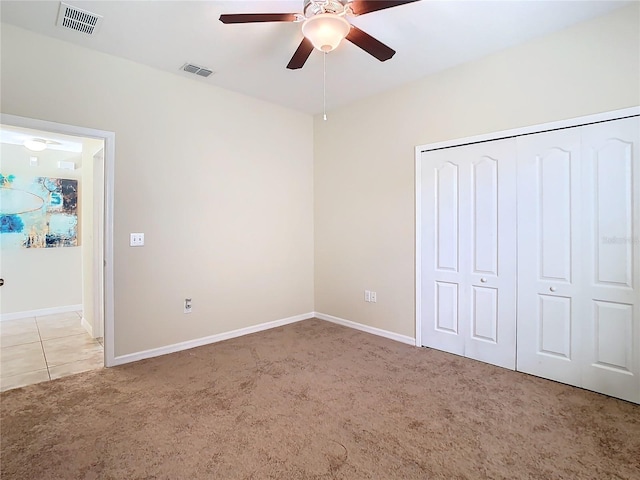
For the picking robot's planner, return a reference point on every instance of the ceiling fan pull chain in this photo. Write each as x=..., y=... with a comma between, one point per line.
x=324, y=85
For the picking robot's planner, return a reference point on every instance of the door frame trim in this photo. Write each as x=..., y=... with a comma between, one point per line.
x=488, y=137
x=109, y=139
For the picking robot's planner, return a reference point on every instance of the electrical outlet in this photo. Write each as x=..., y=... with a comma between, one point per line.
x=367, y=296
x=136, y=240
x=187, y=305
x=374, y=297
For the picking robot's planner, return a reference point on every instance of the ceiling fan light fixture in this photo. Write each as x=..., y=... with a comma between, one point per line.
x=35, y=144
x=325, y=31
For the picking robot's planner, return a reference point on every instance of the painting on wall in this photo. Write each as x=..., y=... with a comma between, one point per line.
x=38, y=212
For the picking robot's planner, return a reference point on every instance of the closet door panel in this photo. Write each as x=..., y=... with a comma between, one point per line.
x=611, y=233
x=484, y=319
x=446, y=307
x=611, y=182
x=549, y=269
x=554, y=326
x=613, y=336
x=447, y=213
x=554, y=177
x=484, y=184
x=492, y=272
x=443, y=288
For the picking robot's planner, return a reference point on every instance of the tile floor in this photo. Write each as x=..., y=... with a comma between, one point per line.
x=38, y=349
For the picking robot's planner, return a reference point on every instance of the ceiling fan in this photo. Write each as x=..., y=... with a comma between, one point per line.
x=324, y=26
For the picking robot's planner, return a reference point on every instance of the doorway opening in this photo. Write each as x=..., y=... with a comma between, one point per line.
x=56, y=317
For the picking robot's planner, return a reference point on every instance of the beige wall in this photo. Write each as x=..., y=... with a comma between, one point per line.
x=364, y=154
x=39, y=278
x=221, y=185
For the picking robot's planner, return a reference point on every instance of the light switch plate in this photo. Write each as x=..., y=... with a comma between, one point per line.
x=136, y=240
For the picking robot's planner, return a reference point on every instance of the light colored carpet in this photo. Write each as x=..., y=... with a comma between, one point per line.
x=314, y=400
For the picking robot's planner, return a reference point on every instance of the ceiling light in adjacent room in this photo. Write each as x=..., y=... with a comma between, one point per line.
x=325, y=31
x=35, y=144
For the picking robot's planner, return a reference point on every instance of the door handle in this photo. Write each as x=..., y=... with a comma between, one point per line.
x=552, y=289
x=1, y=282
x=483, y=280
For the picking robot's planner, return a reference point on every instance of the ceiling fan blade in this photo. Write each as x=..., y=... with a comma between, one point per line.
x=369, y=44
x=360, y=7
x=257, y=17
x=302, y=53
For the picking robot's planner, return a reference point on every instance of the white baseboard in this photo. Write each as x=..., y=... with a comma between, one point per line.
x=41, y=312
x=366, y=328
x=198, y=342
x=87, y=326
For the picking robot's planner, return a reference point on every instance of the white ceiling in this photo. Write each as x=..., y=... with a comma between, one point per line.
x=429, y=36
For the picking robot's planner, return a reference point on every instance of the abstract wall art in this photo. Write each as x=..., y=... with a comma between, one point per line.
x=38, y=212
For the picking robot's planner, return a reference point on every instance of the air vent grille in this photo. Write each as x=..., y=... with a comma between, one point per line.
x=201, y=71
x=77, y=19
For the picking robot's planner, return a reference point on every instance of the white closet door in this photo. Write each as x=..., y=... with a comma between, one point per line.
x=549, y=261
x=468, y=258
x=442, y=245
x=579, y=257
x=611, y=246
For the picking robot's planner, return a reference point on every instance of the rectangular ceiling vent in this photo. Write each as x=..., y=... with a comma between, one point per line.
x=201, y=71
x=77, y=19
